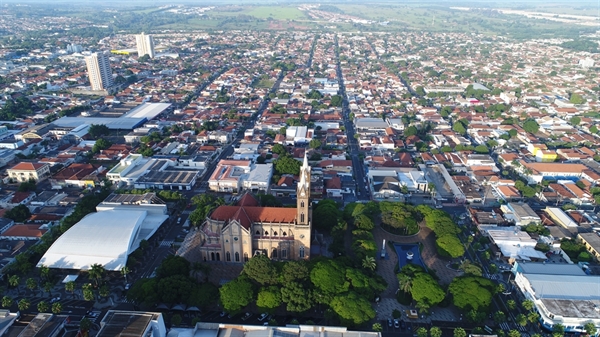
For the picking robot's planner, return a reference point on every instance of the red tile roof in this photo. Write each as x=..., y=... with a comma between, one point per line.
x=24, y=231
x=27, y=166
x=247, y=215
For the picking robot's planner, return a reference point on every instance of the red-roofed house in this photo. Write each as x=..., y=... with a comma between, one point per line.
x=23, y=172
x=23, y=232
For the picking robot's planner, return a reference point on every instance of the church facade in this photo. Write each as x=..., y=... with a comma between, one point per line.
x=238, y=232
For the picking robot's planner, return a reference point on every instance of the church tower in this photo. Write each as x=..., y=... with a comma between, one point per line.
x=303, y=194
x=304, y=213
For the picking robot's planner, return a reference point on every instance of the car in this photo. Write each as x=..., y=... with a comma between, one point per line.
x=246, y=316
x=263, y=316
x=439, y=206
x=56, y=299
x=390, y=322
x=127, y=286
x=222, y=314
x=396, y=323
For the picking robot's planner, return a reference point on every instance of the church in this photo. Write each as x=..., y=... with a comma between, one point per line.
x=238, y=232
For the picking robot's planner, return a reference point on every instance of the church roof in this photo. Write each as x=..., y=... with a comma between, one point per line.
x=247, y=200
x=246, y=215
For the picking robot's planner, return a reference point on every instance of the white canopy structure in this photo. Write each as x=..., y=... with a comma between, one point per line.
x=106, y=237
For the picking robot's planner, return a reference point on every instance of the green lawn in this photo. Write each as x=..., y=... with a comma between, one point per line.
x=276, y=12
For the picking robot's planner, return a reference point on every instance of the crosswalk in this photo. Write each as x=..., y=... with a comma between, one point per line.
x=492, y=276
x=505, y=326
x=166, y=243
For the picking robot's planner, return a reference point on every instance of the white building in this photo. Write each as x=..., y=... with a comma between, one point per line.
x=298, y=135
x=259, y=178
x=562, y=294
x=520, y=213
x=99, y=72
x=145, y=45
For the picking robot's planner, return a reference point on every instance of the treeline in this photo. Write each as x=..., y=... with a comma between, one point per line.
x=581, y=45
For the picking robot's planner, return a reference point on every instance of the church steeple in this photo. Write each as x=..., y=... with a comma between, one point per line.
x=303, y=194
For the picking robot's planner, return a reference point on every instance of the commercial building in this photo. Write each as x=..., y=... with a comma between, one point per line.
x=145, y=45
x=233, y=330
x=562, y=294
x=133, y=323
x=560, y=217
x=521, y=214
x=108, y=236
x=98, y=67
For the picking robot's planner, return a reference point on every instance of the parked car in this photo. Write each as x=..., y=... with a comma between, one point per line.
x=263, y=316
x=396, y=323
x=222, y=314
x=390, y=322
x=246, y=316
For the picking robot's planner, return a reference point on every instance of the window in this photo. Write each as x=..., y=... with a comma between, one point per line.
x=228, y=257
x=237, y=257
x=274, y=233
x=301, y=252
x=274, y=254
x=302, y=217
x=212, y=256
x=283, y=253
x=218, y=257
x=266, y=233
x=302, y=204
x=245, y=257
x=284, y=234
x=257, y=232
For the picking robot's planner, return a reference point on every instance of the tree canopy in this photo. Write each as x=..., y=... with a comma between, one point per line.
x=98, y=130
x=236, y=294
x=325, y=215
x=472, y=292
x=531, y=126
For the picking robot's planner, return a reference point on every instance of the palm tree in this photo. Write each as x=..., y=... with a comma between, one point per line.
x=435, y=332
x=527, y=305
x=70, y=287
x=13, y=281
x=56, y=308
x=48, y=287
x=369, y=263
x=31, y=284
x=7, y=301
x=405, y=283
x=44, y=272
x=460, y=332
x=23, y=304
x=88, y=295
x=423, y=307
x=124, y=271
x=104, y=291
x=96, y=272
x=43, y=306
x=84, y=326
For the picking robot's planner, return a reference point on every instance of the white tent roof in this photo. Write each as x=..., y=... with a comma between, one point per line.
x=106, y=238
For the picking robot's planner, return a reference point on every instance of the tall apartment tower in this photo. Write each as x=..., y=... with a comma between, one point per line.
x=145, y=45
x=98, y=66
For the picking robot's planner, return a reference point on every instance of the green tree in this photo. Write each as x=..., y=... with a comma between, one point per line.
x=97, y=130
x=7, y=301
x=236, y=294
x=18, y=213
x=173, y=265
x=56, y=308
x=42, y=306
x=449, y=245
x=13, y=281
x=329, y=277
x=84, y=326
x=426, y=290
x=514, y=333
x=590, y=328
x=325, y=215
x=261, y=270
x=575, y=120
x=28, y=186
x=512, y=305
x=125, y=271
x=521, y=319
x=405, y=282
x=576, y=99
x=459, y=128
x=287, y=165
x=528, y=305
x=96, y=272
x=499, y=317
x=70, y=286
x=435, y=332
x=279, y=149
x=558, y=330
x=352, y=308
x=460, y=332
x=31, y=284
x=411, y=131
x=176, y=320
x=294, y=271
x=422, y=332
x=377, y=327
x=531, y=126
x=364, y=222
x=296, y=296
x=24, y=304
x=269, y=298
x=471, y=292
x=533, y=317
x=482, y=149
x=101, y=144
x=369, y=263
x=314, y=144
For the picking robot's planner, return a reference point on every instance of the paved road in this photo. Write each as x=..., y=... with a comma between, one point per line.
x=353, y=146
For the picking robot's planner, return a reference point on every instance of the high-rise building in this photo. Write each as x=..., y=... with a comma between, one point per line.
x=145, y=45
x=99, y=72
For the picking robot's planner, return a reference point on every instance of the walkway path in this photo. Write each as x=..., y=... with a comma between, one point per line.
x=386, y=267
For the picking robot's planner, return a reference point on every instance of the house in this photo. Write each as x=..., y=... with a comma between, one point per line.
x=24, y=232
x=23, y=172
x=521, y=214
